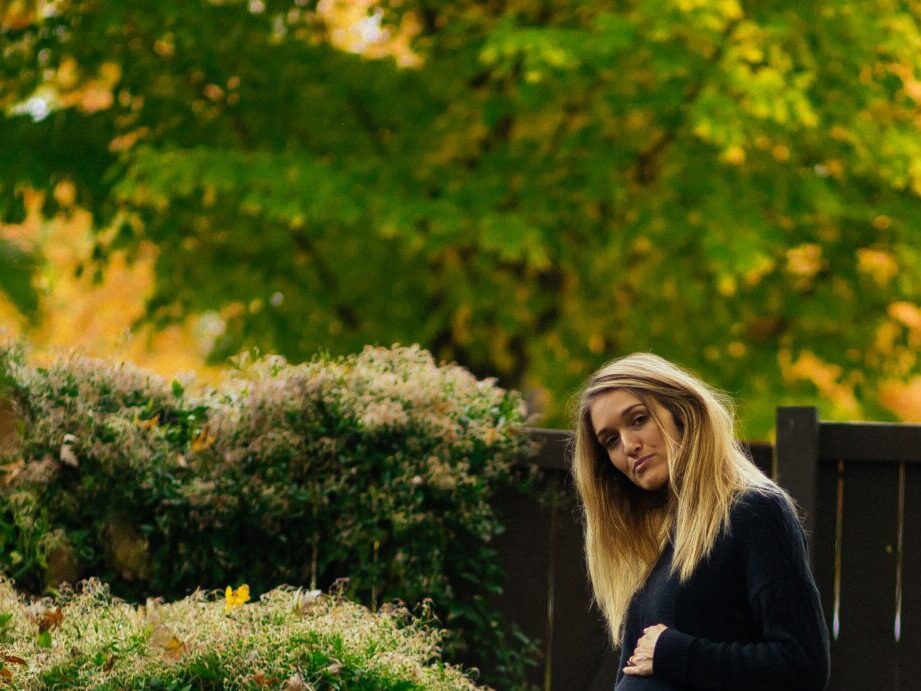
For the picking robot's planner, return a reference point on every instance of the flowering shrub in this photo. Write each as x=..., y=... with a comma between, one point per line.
x=378, y=466
x=290, y=639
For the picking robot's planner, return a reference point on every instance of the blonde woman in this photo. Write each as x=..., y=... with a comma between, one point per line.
x=697, y=560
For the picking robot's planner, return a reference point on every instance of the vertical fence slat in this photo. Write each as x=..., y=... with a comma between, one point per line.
x=864, y=656
x=524, y=551
x=909, y=648
x=797, y=453
x=580, y=643
x=823, y=543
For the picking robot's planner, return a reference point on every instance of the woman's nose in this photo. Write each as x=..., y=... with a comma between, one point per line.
x=632, y=443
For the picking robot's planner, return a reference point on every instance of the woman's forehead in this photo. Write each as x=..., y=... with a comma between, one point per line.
x=613, y=405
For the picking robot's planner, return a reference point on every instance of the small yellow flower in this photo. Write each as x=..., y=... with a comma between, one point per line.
x=235, y=598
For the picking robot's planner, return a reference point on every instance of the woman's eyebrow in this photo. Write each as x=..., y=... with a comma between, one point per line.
x=604, y=430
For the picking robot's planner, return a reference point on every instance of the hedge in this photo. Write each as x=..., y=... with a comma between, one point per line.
x=379, y=467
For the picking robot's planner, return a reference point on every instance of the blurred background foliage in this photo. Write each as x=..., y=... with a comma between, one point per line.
x=527, y=188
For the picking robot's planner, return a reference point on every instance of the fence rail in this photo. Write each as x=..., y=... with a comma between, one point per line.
x=858, y=486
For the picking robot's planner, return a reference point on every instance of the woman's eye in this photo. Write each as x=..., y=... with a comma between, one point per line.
x=639, y=420
x=611, y=441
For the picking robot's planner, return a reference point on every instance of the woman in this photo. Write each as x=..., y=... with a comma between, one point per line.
x=697, y=560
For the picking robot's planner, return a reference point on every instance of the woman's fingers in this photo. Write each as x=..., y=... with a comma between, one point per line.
x=640, y=663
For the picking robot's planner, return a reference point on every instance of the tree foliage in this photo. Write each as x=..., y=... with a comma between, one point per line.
x=734, y=185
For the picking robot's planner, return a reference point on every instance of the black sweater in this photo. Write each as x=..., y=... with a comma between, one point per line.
x=748, y=618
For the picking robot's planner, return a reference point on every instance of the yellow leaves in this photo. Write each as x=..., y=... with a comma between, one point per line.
x=711, y=11
x=804, y=261
x=737, y=349
x=150, y=423
x=125, y=141
x=726, y=285
x=163, y=637
x=734, y=155
x=882, y=222
x=878, y=264
x=165, y=46
x=174, y=648
x=203, y=441
x=762, y=266
x=825, y=376
x=89, y=95
x=65, y=193
x=908, y=315
x=355, y=26
x=17, y=15
x=903, y=398
x=781, y=152
x=839, y=133
x=77, y=313
x=235, y=598
x=910, y=85
x=596, y=343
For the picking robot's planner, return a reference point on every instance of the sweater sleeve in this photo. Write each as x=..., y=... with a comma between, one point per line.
x=793, y=649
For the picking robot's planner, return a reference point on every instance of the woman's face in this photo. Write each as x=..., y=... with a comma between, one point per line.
x=634, y=443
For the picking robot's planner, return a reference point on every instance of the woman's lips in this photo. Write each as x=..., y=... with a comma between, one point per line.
x=638, y=466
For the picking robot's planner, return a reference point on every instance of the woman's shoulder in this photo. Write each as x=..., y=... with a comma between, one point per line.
x=765, y=510
x=763, y=501
x=766, y=529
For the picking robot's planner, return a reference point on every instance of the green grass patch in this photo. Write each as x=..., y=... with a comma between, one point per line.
x=289, y=639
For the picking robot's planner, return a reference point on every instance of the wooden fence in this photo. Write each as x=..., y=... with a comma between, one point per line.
x=859, y=488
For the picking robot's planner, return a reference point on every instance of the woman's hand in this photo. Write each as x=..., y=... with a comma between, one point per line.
x=640, y=663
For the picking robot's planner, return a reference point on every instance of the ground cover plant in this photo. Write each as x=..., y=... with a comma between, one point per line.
x=290, y=638
x=378, y=467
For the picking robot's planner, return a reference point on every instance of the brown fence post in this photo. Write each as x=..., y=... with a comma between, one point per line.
x=797, y=454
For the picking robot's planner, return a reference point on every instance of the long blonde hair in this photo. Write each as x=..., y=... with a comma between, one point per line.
x=626, y=527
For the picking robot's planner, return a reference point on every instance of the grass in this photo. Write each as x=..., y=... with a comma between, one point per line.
x=289, y=639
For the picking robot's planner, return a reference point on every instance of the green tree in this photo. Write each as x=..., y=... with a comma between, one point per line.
x=734, y=185
x=17, y=268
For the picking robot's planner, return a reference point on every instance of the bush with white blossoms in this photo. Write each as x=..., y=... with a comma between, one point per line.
x=379, y=467
x=289, y=639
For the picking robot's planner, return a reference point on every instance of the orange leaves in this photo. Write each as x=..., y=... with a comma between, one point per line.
x=6, y=675
x=907, y=313
x=50, y=619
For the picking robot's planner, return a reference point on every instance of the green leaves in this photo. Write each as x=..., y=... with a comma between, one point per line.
x=17, y=271
x=549, y=187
